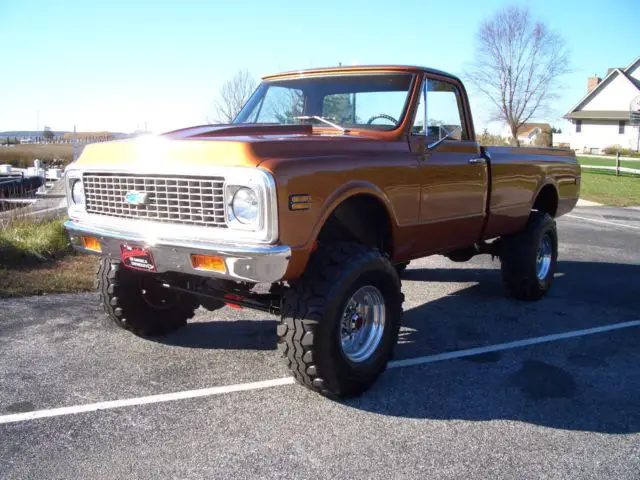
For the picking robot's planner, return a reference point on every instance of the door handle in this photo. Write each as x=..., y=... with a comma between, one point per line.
x=477, y=161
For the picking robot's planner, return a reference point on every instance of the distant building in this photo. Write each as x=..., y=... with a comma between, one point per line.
x=89, y=136
x=601, y=118
x=531, y=134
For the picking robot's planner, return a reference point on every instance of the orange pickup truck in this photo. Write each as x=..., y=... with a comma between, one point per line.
x=309, y=206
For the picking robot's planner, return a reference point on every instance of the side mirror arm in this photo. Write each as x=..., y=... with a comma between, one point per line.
x=437, y=143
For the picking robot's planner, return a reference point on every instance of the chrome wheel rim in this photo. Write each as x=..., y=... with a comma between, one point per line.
x=543, y=261
x=362, y=325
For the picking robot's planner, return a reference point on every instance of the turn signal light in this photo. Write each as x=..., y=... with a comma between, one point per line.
x=91, y=243
x=207, y=262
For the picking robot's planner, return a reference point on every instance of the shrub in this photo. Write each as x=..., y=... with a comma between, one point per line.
x=487, y=139
x=612, y=149
x=543, y=140
x=625, y=152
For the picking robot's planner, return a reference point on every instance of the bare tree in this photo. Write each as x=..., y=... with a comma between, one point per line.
x=233, y=95
x=518, y=63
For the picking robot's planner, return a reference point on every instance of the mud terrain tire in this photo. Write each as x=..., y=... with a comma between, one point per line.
x=312, y=328
x=528, y=258
x=122, y=292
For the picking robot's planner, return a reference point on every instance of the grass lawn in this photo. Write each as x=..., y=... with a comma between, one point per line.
x=606, y=188
x=608, y=162
x=36, y=258
x=73, y=273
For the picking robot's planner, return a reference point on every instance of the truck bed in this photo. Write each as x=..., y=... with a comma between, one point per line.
x=518, y=175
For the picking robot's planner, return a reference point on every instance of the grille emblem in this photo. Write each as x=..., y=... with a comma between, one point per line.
x=137, y=198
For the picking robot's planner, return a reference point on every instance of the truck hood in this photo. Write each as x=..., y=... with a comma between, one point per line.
x=224, y=145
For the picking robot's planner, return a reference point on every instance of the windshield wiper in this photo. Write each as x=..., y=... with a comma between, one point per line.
x=321, y=119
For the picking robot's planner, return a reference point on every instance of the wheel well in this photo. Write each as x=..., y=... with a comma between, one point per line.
x=547, y=200
x=362, y=219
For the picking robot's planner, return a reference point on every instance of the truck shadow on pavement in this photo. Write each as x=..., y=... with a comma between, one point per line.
x=588, y=383
x=223, y=334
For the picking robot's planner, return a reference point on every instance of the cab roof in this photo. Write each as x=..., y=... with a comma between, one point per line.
x=359, y=69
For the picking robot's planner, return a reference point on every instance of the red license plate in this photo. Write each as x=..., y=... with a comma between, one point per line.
x=137, y=258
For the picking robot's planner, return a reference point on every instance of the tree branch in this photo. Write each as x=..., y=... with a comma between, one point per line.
x=518, y=64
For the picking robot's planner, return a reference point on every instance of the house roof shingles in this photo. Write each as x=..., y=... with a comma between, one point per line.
x=527, y=128
x=575, y=114
x=598, y=115
x=634, y=80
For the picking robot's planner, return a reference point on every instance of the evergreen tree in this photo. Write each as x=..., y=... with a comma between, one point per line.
x=339, y=108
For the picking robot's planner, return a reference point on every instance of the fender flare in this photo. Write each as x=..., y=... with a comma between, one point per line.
x=346, y=191
x=545, y=182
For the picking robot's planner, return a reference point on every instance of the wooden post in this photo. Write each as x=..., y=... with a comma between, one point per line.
x=617, y=163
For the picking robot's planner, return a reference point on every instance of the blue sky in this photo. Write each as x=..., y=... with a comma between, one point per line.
x=118, y=64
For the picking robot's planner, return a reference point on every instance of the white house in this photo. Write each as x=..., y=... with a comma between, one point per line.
x=601, y=118
x=528, y=133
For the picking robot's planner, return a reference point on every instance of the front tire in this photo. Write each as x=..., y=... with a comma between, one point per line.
x=340, y=320
x=401, y=267
x=528, y=258
x=136, y=302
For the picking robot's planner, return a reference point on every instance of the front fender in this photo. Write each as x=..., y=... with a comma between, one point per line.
x=346, y=191
x=301, y=251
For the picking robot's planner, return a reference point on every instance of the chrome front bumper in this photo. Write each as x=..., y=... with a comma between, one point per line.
x=253, y=263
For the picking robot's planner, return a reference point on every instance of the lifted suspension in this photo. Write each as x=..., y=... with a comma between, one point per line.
x=265, y=302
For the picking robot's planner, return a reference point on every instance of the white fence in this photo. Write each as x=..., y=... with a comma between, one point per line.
x=607, y=157
x=618, y=170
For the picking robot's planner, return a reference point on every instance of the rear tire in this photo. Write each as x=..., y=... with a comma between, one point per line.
x=136, y=302
x=528, y=258
x=321, y=320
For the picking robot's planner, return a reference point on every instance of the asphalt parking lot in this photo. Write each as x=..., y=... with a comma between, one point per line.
x=482, y=386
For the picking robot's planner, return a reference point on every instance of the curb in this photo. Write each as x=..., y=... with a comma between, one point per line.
x=587, y=203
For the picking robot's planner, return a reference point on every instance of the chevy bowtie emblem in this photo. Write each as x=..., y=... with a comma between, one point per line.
x=137, y=198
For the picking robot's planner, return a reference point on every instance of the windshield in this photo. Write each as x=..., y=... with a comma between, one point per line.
x=362, y=101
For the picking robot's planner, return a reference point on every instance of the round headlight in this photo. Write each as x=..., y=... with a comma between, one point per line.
x=245, y=205
x=77, y=192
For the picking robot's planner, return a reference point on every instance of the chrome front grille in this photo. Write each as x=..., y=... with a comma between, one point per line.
x=185, y=200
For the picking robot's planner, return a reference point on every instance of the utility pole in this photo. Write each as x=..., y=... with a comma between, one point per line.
x=75, y=144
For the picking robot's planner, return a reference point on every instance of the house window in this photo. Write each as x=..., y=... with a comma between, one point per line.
x=621, y=127
x=578, y=126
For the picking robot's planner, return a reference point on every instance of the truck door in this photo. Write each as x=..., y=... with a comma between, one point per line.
x=453, y=175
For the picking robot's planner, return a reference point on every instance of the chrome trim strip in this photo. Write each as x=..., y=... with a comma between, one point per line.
x=478, y=160
x=254, y=263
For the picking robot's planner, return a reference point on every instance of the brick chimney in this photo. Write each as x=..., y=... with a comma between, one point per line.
x=592, y=82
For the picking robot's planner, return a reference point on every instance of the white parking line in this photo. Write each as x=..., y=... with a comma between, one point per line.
x=605, y=222
x=509, y=345
x=164, y=397
x=278, y=382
